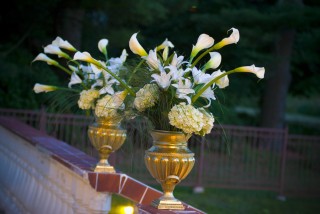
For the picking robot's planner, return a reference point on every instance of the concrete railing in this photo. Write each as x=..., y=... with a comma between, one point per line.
x=40, y=174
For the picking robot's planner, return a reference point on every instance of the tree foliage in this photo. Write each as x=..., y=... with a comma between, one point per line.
x=35, y=23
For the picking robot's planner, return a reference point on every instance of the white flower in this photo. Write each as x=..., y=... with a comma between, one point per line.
x=146, y=97
x=87, y=98
x=163, y=80
x=102, y=45
x=214, y=61
x=45, y=58
x=186, y=117
x=84, y=56
x=208, y=94
x=165, y=44
x=38, y=88
x=184, y=87
x=108, y=83
x=232, y=39
x=222, y=82
x=208, y=121
x=177, y=74
x=116, y=63
x=108, y=106
x=75, y=79
x=234, y=36
x=85, y=68
x=258, y=71
x=54, y=49
x=95, y=70
x=177, y=61
x=200, y=77
x=88, y=72
x=204, y=42
x=135, y=46
x=152, y=60
x=63, y=44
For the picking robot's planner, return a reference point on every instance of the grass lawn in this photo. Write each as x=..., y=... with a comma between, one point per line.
x=226, y=201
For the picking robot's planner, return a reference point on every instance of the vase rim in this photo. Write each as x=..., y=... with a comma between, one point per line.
x=168, y=132
x=156, y=134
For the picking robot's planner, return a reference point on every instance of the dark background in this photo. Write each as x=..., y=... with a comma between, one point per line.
x=281, y=35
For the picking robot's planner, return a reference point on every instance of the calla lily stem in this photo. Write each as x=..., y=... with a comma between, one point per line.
x=130, y=91
x=215, y=47
x=206, y=86
x=63, y=68
x=68, y=89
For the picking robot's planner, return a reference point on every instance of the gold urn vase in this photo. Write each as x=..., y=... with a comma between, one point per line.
x=169, y=161
x=106, y=136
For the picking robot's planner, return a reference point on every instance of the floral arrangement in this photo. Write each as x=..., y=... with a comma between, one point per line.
x=178, y=95
x=171, y=91
x=98, y=82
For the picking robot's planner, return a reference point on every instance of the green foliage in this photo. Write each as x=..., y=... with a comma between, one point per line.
x=17, y=78
x=17, y=81
x=34, y=23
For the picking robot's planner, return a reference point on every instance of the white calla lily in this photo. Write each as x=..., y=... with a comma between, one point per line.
x=63, y=44
x=45, y=58
x=102, y=45
x=214, y=61
x=54, y=49
x=232, y=39
x=204, y=41
x=258, y=71
x=75, y=79
x=38, y=88
x=84, y=56
x=135, y=46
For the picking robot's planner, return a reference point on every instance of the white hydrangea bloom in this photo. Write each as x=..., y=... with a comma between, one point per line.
x=208, y=121
x=146, y=97
x=109, y=105
x=186, y=117
x=87, y=98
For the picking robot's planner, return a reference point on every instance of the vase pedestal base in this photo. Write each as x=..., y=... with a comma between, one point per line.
x=104, y=166
x=167, y=204
x=108, y=169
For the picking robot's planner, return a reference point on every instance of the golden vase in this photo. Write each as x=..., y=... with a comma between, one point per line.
x=169, y=161
x=106, y=136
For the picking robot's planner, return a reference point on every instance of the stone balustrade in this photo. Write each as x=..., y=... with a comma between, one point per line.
x=40, y=174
